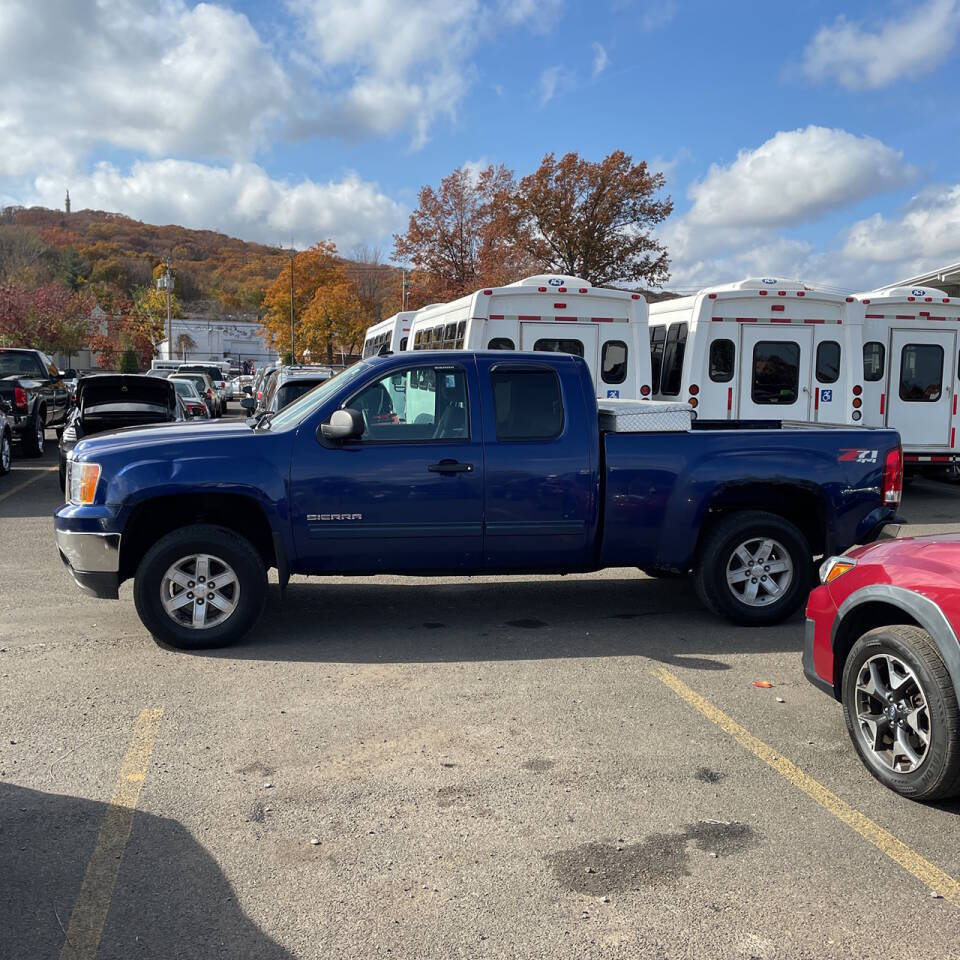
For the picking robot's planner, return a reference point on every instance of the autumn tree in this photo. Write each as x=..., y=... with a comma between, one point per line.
x=51, y=317
x=314, y=268
x=377, y=286
x=454, y=239
x=592, y=220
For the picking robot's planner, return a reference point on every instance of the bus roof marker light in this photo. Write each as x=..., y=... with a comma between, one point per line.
x=762, y=293
x=712, y=296
x=488, y=293
x=849, y=299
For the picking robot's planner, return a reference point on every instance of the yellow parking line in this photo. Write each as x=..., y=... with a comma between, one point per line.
x=93, y=902
x=939, y=882
x=26, y=483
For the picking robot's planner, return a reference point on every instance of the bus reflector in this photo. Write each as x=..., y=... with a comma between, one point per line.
x=857, y=390
x=694, y=389
x=645, y=391
x=712, y=296
x=488, y=292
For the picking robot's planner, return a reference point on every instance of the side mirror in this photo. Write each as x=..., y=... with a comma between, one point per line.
x=344, y=425
x=248, y=404
x=5, y=407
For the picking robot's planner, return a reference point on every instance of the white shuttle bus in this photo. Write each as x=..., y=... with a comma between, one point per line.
x=911, y=338
x=551, y=313
x=760, y=349
x=388, y=336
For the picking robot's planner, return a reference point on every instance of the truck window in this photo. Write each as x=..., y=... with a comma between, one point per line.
x=873, y=356
x=921, y=372
x=673, y=350
x=414, y=406
x=501, y=343
x=560, y=346
x=776, y=372
x=657, y=335
x=527, y=404
x=613, y=362
x=722, y=358
x=828, y=361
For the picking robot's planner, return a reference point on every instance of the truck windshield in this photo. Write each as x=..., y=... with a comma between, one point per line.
x=299, y=410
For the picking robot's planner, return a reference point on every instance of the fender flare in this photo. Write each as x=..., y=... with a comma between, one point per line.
x=927, y=614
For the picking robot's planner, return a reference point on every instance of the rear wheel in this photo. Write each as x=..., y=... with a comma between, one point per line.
x=34, y=437
x=200, y=586
x=753, y=568
x=901, y=711
x=6, y=453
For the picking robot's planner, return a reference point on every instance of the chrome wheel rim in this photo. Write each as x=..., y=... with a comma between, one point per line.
x=759, y=572
x=41, y=437
x=200, y=591
x=5, y=453
x=893, y=719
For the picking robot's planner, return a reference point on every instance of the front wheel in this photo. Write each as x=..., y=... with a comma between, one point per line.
x=901, y=711
x=753, y=568
x=6, y=453
x=200, y=586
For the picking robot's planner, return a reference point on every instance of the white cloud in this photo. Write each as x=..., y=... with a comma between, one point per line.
x=657, y=14
x=600, y=59
x=241, y=200
x=865, y=59
x=554, y=80
x=795, y=176
x=539, y=15
x=926, y=234
x=155, y=79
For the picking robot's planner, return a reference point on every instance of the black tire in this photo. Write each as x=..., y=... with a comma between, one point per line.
x=717, y=551
x=938, y=774
x=6, y=452
x=34, y=437
x=220, y=542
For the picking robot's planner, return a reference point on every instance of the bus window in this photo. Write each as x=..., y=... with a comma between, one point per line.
x=403, y=343
x=828, y=361
x=921, y=372
x=560, y=346
x=613, y=364
x=776, y=372
x=501, y=343
x=461, y=331
x=673, y=351
x=873, y=357
x=657, y=335
x=449, y=336
x=722, y=358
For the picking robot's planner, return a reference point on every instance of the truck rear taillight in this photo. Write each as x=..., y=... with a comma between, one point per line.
x=893, y=476
x=20, y=399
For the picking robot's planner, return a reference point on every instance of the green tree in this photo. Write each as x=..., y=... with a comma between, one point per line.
x=129, y=362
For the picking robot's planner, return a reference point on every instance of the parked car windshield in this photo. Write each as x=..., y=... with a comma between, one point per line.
x=299, y=410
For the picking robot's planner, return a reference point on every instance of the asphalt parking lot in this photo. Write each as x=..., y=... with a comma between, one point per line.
x=395, y=767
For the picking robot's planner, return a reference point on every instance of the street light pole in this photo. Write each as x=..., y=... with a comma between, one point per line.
x=168, y=283
x=293, y=355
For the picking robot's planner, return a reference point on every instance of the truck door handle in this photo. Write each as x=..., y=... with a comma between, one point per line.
x=450, y=466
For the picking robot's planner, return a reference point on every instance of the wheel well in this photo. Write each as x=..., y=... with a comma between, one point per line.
x=860, y=620
x=156, y=518
x=801, y=507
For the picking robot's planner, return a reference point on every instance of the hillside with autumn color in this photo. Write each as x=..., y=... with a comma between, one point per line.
x=92, y=247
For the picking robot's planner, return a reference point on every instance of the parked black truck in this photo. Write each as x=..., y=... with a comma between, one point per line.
x=35, y=390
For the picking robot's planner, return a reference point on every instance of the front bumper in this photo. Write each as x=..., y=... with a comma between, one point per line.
x=93, y=560
x=809, y=670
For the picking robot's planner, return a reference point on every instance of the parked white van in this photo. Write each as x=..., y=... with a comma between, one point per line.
x=760, y=349
x=910, y=369
x=388, y=336
x=551, y=313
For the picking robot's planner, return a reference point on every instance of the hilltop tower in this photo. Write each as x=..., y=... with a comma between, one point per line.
x=67, y=202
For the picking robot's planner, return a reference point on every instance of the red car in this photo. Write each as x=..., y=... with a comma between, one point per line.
x=881, y=638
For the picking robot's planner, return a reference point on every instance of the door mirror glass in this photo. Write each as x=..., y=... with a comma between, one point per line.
x=344, y=425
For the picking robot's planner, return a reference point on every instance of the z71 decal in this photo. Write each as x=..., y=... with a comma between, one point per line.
x=858, y=456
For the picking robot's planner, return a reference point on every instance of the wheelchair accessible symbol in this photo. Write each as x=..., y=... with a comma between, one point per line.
x=613, y=394
x=826, y=396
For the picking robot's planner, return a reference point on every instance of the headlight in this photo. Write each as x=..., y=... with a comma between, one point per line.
x=82, y=479
x=835, y=567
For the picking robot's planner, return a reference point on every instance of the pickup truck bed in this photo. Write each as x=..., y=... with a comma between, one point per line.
x=458, y=463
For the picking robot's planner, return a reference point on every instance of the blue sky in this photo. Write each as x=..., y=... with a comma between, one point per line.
x=815, y=141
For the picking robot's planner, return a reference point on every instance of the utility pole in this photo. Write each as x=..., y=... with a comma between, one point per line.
x=166, y=283
x=293, y=355
x=406, y=289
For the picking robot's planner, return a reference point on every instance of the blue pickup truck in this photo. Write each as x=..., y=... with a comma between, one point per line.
x=461, y=463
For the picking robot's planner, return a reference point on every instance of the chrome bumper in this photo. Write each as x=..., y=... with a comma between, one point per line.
x=90, y=552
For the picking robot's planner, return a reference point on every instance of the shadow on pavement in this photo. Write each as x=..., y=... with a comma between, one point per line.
x=170, y=899
x=370, y=622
